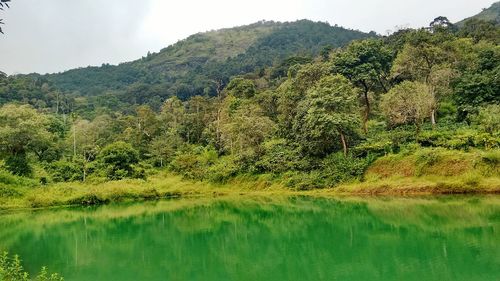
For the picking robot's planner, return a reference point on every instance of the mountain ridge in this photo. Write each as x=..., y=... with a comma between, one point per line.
x=187, y=67
x=488, y=14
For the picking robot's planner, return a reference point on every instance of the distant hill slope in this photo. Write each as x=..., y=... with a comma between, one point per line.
x=490, y=14
x=190, y=66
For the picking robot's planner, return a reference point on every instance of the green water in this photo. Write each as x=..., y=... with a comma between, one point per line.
x=264, y=239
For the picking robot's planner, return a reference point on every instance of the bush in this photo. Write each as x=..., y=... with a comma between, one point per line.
x=492, y=157
x=336, y=168
x=304, y=180
x=371, y=147
x=19, y=165
x=64, y=171
x=193, y=162
x=222, y=171
x=12, y=270
x=462, y=139
x=488, y=118
x=280, y=156
x=12, y=180
x=118, y=160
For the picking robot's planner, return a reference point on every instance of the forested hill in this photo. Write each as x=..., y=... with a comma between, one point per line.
x=490, y=14
x=191, y=66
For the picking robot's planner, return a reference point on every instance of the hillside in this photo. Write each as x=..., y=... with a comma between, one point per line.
x=190, y=66
x=490, y=14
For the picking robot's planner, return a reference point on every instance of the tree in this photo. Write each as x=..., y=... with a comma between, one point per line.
x=408, y=103
x=244, y=127
x=3, y=4
x=328, y=112
x=488, y=118
x=477, y=83
x=480, y=30
x=441, y=24
x=241, y=88
x=88, y=137
x=22, y=130
x=294, y=89
x=423, y=59
x=118, y=160
x=367, y=64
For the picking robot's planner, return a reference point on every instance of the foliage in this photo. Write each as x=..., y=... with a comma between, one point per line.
x=189, y=67
x=333, y=170
x=280, y=156
x=22, y=130
x=408, y=103
x=11, y=269
x=488, y=118
x=328, y=112
x=118, y=160
x=301, y=103
x=64, y=171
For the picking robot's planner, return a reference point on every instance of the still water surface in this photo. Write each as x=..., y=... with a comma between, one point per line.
x=263, y=238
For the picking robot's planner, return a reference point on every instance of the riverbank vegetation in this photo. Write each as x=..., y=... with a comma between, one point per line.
x=414, y=112
x=11, y=269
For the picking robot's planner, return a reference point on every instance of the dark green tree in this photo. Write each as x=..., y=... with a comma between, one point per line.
x=118, y=160
x=367, y=64
x=328, y=113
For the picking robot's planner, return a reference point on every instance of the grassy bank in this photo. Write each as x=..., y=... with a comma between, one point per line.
x=427, y=171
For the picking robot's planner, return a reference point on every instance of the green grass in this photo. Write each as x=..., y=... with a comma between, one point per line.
x=424, y=171
x=431, y=171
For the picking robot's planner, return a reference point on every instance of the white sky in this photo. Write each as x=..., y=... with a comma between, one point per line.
x=56, y=35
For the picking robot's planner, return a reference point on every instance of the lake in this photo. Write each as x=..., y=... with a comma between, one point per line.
x=263, y=238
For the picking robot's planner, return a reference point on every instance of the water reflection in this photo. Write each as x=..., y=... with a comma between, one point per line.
x=263, y=238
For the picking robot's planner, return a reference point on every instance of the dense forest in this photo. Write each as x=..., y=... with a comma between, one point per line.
x=304, y=103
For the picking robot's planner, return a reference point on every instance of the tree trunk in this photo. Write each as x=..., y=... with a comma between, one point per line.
x=74, y=142
x=344, y=143
x=367, y=113
x=433, y=118
x=366, y=116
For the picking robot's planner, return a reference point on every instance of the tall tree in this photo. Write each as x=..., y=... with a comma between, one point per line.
x=424, y=59
x=408, y=103
x=328, y=112
x=367, y=64
x=294, y=89
x=22, y=130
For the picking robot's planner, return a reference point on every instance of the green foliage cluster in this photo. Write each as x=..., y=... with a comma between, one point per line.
x=11, y=269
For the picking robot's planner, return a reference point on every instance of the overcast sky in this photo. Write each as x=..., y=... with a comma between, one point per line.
x=56, y=35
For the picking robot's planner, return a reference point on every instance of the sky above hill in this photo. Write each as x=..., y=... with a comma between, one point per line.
x=56, y=35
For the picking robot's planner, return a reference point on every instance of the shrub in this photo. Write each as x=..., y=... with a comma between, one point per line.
x=18, y=165
x=488, y=118
x=492, y=157
x=222, y=171
x=280, y=156
x=9, y=179
x=304, y=180
x=336, y=168
x=371, y=147
x=118, y=160
x=11, y=269
x=64, y=171
x=194, y=162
